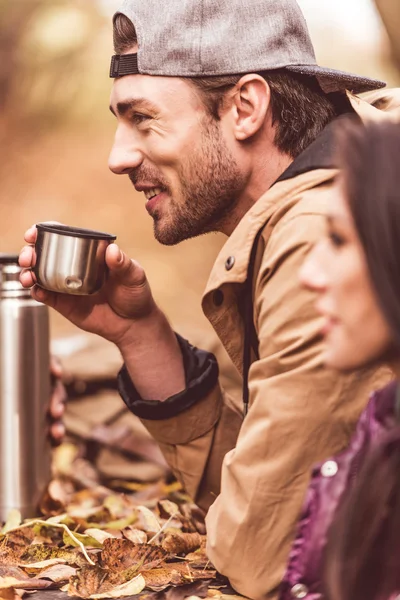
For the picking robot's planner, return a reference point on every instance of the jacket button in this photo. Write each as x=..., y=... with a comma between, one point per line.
x=299, y=591
x=329, y=469
x=229, y=263
x=218, y=297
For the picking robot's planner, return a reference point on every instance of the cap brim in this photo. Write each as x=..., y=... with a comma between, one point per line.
x=331, y=80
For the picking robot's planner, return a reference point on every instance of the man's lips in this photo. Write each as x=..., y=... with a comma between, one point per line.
x=153, y=193
x=154, y=201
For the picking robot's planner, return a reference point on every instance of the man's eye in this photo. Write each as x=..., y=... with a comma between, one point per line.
x=139, y=118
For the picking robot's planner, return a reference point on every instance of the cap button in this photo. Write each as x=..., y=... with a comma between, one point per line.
x=329, y=468
x=299, y=591
x=230, y=261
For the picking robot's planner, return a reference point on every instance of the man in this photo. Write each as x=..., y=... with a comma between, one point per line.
x=223, y=121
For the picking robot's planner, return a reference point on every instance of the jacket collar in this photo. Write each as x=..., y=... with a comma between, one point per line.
x=310, y=168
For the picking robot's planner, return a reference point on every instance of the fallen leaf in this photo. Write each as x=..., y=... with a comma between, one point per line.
x=58, y=573
x=174, y=574
x=87, y=581
x=14, y=520
x=134, y=535
x=168, y=508
x=8, y=594
x=198, y=589
x=42, y=555
x=182, y=543
x=27, y=584
x=118, y=555
x=148, y=520
x=131, y=588
x=98, y=534
x=80, y=538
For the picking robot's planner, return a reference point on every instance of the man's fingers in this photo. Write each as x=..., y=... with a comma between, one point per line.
x=27, y=257
x=128, y=271
x=30, y=235
x=44, y=296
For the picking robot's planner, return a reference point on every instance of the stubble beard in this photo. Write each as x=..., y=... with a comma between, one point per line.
x=211, y=183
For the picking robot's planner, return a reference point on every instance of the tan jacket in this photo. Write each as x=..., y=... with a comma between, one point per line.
x=252, y=474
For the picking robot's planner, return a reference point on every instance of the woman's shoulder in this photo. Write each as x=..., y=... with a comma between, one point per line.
x=382, y=403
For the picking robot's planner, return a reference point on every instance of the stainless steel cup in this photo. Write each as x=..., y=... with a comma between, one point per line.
x=70, y=260
x=25, y=454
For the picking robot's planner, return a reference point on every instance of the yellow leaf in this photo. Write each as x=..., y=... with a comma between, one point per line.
x=98, y=534
x=130, y=588
x=78, y=538
x=14, y=520
x=43, y=564
x=150, y=521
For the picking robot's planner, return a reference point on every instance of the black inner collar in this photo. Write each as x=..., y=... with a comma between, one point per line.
x=321, y=154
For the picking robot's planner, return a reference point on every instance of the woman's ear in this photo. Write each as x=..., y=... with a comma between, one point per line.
x=250, y=104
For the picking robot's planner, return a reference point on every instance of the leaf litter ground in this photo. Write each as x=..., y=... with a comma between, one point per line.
x=122, y=540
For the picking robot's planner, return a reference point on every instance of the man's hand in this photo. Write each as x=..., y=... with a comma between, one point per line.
x=124, y=301
x=57, y=402
x=123, y=312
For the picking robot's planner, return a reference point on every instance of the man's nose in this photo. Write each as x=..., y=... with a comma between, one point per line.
x=313, y=273
x=125, y=156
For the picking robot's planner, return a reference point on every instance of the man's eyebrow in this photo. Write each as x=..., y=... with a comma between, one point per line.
x=134, y=103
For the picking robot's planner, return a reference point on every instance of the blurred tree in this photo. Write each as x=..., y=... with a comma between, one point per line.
x=390, y=13
x=44, y=48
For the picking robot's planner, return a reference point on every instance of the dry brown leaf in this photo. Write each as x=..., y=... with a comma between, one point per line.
x=31, y=583
x=14, y=544
x=199, y=559
x=87, y=581
x=182, y=543
x=130, y=588
x=46, y=555
x=174, y=574
x=8, y=594
x=58, y=573
x=119, y=555
x=134, y=535
x=168, y=509
x=15, y=572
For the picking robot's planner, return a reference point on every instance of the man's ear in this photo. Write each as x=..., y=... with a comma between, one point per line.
x=250, y=105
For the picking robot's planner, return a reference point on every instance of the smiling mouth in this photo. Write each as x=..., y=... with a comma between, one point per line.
x=152, y=193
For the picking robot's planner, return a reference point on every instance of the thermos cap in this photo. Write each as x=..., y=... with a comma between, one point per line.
x=10, y=285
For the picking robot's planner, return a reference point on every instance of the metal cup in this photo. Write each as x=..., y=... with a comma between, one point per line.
x=70, y=260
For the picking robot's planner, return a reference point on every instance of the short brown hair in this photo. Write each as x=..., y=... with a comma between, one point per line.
x=300, y=109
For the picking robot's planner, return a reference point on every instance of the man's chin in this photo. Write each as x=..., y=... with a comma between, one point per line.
x=167, y=236
x=171, y=236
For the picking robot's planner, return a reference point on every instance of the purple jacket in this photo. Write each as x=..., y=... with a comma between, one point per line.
x=330, y=481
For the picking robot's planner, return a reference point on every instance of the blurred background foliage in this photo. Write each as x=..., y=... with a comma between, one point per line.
x=56, y=130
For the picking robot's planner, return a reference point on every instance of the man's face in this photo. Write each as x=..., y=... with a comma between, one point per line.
x=176, y=154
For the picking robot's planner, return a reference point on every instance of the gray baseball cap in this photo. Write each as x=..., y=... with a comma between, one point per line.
x=201, y=38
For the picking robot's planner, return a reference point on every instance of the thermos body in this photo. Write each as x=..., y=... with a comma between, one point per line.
x=25, y=456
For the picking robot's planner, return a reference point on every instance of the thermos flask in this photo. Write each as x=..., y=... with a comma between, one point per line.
x=25, y=455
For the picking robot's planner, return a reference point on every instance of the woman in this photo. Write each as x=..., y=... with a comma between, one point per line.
x=348, y=541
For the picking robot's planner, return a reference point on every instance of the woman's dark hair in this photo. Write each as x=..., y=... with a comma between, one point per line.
x=300, y=109
x=369, y=157
x=363, y=551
